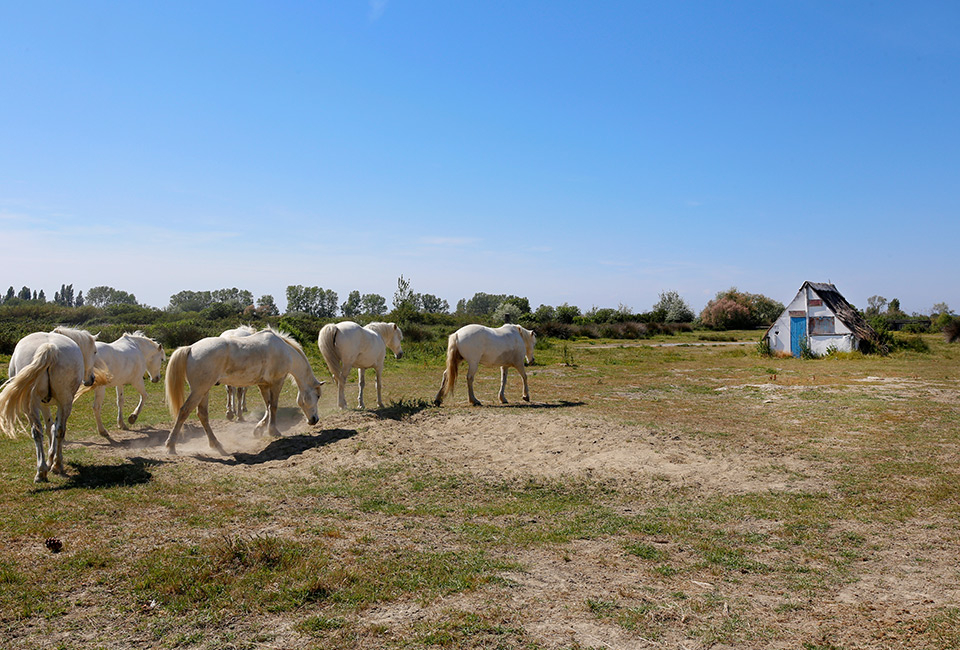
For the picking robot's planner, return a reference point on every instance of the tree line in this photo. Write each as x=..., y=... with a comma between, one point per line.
x=729, y=309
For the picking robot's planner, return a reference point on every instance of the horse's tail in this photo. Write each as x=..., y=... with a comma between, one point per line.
x=328, y=348
x=453, y=364
x=101, y=377
x=18, y=391
x=173, y=382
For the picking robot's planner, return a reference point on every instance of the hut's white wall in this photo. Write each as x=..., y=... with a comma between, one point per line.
x=821, y=342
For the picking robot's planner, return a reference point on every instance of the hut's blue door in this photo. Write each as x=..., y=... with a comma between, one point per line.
x=798, y=332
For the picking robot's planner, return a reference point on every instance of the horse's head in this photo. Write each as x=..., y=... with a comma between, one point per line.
x=394, y=337
x=529, y=341
x=155, y=357
x=307, y=401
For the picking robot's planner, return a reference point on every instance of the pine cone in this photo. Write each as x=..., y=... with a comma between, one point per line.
x=54, y=544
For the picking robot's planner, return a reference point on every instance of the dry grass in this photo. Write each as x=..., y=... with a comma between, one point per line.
x=680, y=496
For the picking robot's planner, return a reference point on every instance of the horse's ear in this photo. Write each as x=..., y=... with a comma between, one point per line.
x=96, y=336
x=323, y=382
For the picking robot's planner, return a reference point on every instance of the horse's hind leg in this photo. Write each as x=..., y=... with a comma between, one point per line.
x=191, y=403
x=471, y=373
x=503, y=385
x=379, y=390
x=37, y=426
x=120, y=423
x=204, y=414
x=56, y=444
x=138, y=384
x=99, y=395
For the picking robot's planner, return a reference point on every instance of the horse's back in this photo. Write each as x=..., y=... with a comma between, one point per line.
x=489, y=346
x=360, y=346
x=66, y=372
x=239, y=361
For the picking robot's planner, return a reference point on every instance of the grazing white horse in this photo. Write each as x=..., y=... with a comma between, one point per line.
x=346, y=345
x=237, y=395
x=504, y=346
x=44, y=367
x=263, y=359
x=126, y=359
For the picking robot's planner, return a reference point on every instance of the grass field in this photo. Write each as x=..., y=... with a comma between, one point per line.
x=674, y=492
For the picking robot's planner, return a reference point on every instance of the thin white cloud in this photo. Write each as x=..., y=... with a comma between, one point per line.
x=449, y=241
x=377, y=7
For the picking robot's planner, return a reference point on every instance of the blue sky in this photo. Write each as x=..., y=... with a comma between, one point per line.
x=594, y=153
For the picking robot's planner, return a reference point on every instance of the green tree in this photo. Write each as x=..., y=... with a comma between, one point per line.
x=79, y=300
x=104, y=296
x=266, y=306
x=566, y=313
x=404, y=299
x=10, y=294
x=673, y=307
x=351, y=307
x=315, y=301
x=432, y=304
x=186, y=300
x=373, y=304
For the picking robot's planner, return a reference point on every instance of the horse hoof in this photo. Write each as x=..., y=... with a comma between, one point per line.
x=132, y=419
x=526, y=398
x=476, y=403
x=229, y=415
x=171, y=451
x=40, y=478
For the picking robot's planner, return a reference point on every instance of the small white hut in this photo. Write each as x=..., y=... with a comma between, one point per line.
x=820, y=318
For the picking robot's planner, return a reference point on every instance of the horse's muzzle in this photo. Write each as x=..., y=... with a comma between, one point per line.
x=155, y=379
x=89, y=381
x=399, y=355
x=313, y=420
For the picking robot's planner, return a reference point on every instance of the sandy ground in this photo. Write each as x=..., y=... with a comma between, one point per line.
x=910, y=576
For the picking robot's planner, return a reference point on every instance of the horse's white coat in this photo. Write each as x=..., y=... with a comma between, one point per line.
x=237, y=395
x=263, y=359
x=505, y=346
x=346, y=345
x=47, y=367
x=126, y=359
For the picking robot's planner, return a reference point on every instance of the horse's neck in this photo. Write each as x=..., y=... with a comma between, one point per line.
x=300, y=367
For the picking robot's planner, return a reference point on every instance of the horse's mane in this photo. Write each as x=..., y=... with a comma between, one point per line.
x=249, y=329
x=73, y=333
x=379, y=327
x=139, y=333
x=287, y=338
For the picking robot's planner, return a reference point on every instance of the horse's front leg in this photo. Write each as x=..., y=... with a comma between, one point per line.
x=379, y=390
x=138, y=384
x=203, y=413
x=471, y=373
x=231, y=401
x=363, y=383
x=120, y=423
x=37, y=427
x=523, y=375
x=99, y=395
x=271, y=399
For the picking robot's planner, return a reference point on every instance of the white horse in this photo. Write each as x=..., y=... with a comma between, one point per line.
x=45, y=367
x=263, y=359
x=126, y=359
x=237, y=395
x=346, y=345
x=504, y=346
